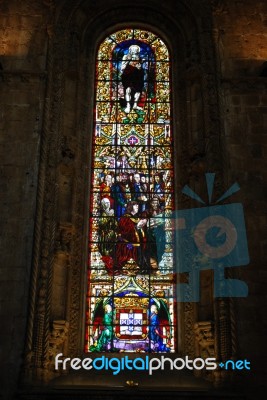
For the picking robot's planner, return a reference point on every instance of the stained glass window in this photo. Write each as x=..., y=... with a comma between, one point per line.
x=130, y=301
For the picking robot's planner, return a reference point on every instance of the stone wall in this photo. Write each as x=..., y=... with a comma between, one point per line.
x=242, y=34
x=22, y=80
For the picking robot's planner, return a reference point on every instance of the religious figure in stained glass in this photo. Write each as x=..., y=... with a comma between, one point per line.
x=132, y=77
x=104, y=340
x=130, y=266
x=131, y=249
x=155, y=331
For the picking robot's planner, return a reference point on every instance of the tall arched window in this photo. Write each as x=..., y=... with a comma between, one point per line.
x=130, y=302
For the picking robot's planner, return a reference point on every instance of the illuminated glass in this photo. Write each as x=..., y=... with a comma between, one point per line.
x=130, y=302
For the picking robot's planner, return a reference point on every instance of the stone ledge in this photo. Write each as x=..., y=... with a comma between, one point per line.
x=128, y=393
x=244, y=83
x=22, y=76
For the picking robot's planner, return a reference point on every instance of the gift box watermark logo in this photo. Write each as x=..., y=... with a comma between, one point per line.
x=211, y=237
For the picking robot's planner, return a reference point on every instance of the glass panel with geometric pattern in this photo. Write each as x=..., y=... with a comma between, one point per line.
x=131, y=301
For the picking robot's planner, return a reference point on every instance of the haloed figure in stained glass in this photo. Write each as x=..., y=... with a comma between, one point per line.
x=132, y=76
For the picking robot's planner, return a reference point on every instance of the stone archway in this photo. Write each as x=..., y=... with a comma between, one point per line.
x=57, y=305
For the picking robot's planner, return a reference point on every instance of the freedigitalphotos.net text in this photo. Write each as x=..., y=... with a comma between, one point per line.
x=125, y=363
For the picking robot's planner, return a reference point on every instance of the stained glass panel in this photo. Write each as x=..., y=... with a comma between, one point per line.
x=130, y=302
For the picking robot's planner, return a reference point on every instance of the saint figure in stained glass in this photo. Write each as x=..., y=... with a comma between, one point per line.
x=132, y=77
x=131, y=249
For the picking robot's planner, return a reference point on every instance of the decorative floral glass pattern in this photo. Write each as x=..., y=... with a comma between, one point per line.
x=130, y=302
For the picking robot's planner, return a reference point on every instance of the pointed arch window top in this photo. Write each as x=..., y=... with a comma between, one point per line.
x=133, y=75
x=134, y=36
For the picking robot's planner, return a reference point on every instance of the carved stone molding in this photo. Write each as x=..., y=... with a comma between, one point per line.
x=218, y=7
x=49, y=3
x=245, y=83
x=204, y=342
x=64, y=238
x=56, y=339
x=189, y=319
x=204, y=333
x=22, y=76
